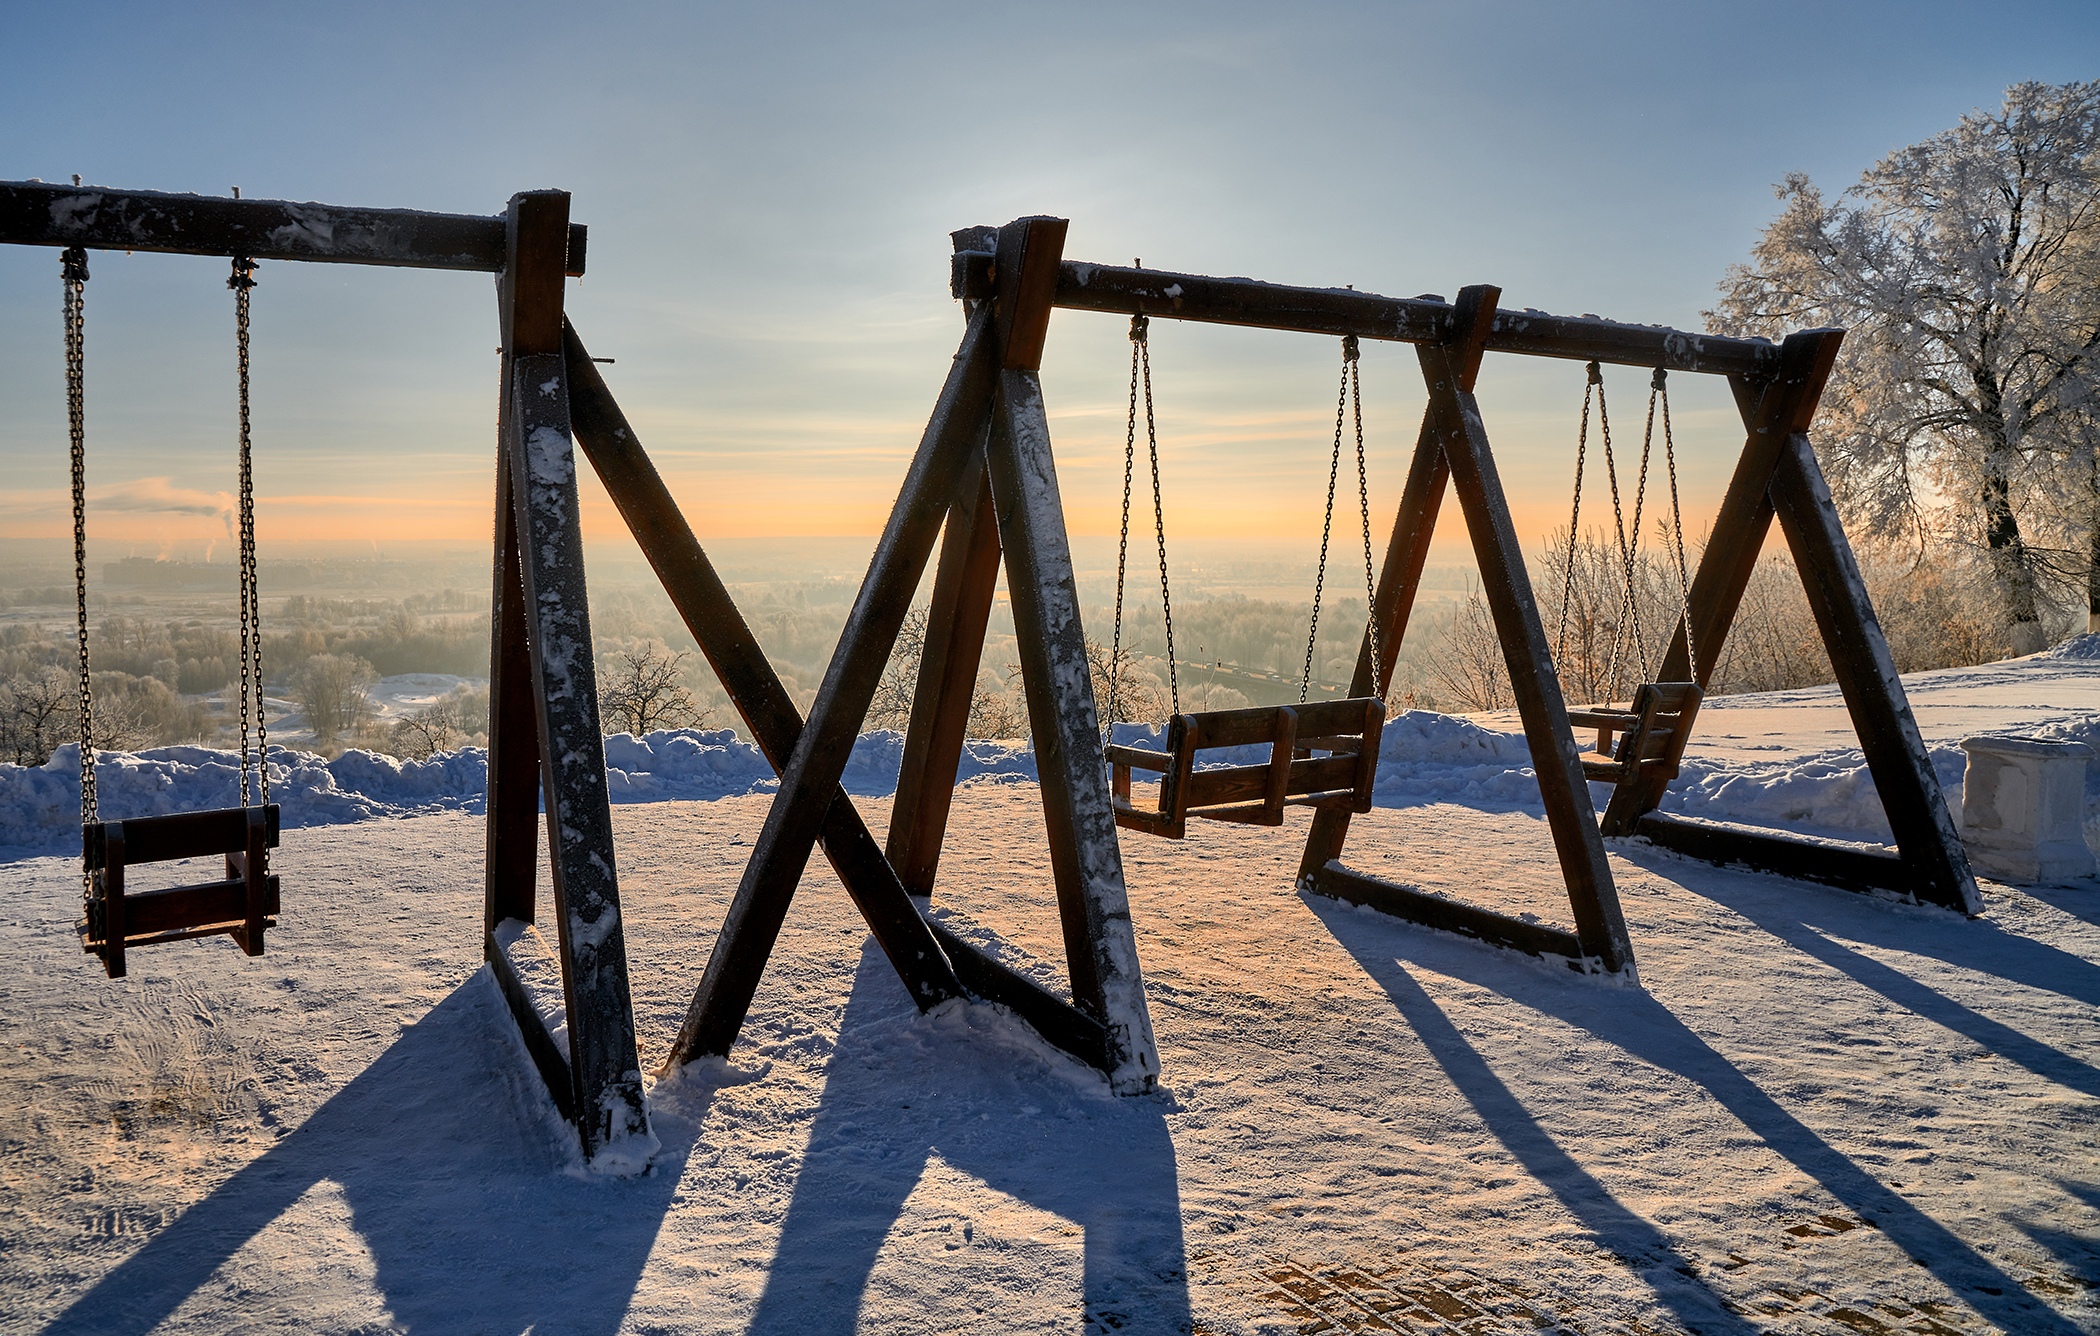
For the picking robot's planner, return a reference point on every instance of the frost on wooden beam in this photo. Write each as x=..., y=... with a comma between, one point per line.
x=1122, y=290
x=33, y=213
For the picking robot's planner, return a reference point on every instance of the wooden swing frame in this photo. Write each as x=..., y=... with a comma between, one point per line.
x=1776, y=388
x=543, y=694
x=983, y=484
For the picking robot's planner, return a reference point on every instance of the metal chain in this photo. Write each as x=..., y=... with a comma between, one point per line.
x=73, y=272
x=1629, y=599
x=1594, y=385
x=1363, y=501
x=242, y=282
x=1684, y=583
x=1159, y=514
x=1334, y=472
x=1115, y=653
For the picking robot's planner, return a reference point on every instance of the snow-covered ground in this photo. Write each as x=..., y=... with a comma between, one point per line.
x=1818, y=1112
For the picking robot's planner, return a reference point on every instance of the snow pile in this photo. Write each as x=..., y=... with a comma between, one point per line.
x=40, y=805
x=1425, y=757
x=1828, y=792
x=1783, y=759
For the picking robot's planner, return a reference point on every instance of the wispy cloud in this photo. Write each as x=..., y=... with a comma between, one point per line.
x=161, y=496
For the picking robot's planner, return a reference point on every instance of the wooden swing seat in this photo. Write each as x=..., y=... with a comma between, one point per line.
x=1651, y=734
x=241, y=905
x=1347, y=731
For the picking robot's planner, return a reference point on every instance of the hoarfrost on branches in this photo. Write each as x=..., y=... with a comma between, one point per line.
x=1965, y=405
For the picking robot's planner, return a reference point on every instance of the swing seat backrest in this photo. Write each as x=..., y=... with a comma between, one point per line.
x=1323, y=754
x=1651, y=735
x=240, y=905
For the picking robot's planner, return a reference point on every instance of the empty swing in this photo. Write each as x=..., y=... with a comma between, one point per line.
x=1322, y=753
x=240, y=905
x=1644, y=742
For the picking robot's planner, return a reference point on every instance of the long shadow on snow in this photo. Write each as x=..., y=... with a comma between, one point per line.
x=471, y=1222
x=2078, y=900
x=1982, y=944
x=1641, y=1026
x=1616, y=1229
x=1792, y=911
x=994, y=1105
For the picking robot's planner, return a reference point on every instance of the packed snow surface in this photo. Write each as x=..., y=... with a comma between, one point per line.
x=1818, y=1112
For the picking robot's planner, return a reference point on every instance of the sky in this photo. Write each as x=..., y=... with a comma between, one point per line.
x=769, y=191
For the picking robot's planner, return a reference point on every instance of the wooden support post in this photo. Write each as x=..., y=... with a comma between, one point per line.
x=733, y=652
x=510, y=857
x=604, y=1071
x=1086, y=859
x=963, y=586
x=1599, y=925
x=819, y=757
x=1866, y=673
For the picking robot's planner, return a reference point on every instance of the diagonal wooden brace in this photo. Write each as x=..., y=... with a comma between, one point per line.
x=734, y=653
x=813, y=769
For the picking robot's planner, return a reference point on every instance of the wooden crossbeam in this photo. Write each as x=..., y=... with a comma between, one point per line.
x=33, y=213
x=1118, y=290
x=1785, y=856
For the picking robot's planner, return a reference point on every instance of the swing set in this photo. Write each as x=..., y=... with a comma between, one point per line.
x=1320, y=755
x=982, y=486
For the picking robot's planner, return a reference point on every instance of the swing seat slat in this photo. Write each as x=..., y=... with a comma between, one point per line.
x=1293, y=776
x=241, y=905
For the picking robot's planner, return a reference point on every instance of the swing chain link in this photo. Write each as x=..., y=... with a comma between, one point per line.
x=1159, y=512
x=242, y=282
x=1115, y=653
x=1594, y=385
x=1363, y=501
x=1618, y=519
x=1334, y=471
x=1140, y=380
x=73, y=272
x=1684, y=583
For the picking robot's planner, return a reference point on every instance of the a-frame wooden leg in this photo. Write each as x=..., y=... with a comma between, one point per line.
x=604, y=1095
x=1599, y=925
x=1866, y=673
x=819, y=758
x=963, y=587
x=1086, y=858
x=931, y=971
x=753, y=687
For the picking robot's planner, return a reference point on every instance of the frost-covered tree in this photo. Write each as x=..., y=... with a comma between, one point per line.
x=643, y=689
x=1964, y=403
